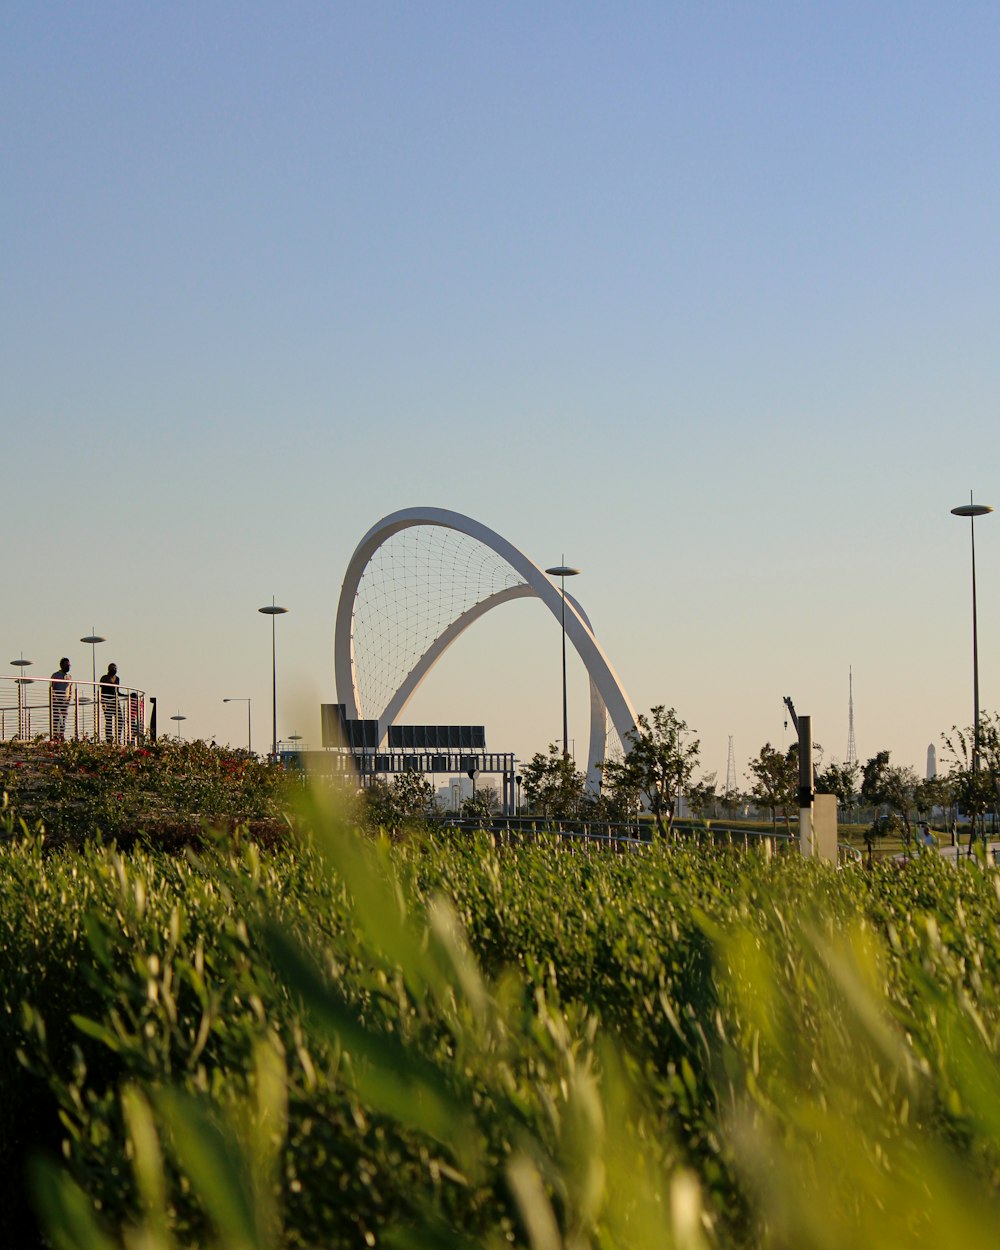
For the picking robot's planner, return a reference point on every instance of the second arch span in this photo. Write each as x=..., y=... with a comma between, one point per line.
x=607, y=695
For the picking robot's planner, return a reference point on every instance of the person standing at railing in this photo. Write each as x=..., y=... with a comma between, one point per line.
x=109, y=684
x=59, y=695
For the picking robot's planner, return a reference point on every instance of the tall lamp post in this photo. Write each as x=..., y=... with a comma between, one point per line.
x=249, y=735
x=93, y=639
x=272, y=611
x=562, y=571
x=23, y=715
x=972, y=510
x=178, y=718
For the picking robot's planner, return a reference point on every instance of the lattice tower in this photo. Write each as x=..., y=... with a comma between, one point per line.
x=852, y=750
x=416, y=584
x=731, y=770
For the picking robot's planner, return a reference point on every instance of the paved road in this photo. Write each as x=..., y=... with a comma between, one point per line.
x=951, y=852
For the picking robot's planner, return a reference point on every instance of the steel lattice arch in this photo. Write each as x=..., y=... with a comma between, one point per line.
x=417, y=580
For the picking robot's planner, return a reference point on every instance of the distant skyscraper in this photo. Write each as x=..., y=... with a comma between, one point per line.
x=931, y=762
x=852, y=750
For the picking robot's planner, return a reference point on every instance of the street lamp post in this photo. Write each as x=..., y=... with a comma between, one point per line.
x=972, y=510
x=178, y=718
x=562, y=571
x=249, y=734
x=22, y=681
x=272, y=611
x=93, y=638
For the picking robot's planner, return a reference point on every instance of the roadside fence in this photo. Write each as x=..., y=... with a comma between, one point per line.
x=625, y=837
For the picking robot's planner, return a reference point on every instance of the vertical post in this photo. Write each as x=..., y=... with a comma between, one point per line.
x=562, y=588
x=805, y=785
x=272, y=610
x=562, y=571
x=274, y=694
x=972, y=510
x=975, y=653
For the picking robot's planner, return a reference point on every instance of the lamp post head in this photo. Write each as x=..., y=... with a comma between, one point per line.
x=93, y=639
x=971, y=509
x=562, y=570
x=272, y=610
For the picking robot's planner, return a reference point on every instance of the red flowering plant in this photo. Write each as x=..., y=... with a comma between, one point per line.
x=164, y=790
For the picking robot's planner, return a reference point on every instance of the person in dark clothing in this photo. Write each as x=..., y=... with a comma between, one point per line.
x=60, y=699
x=109, y=684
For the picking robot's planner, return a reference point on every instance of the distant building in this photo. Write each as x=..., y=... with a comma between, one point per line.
x=931, y=762
x=453, y=795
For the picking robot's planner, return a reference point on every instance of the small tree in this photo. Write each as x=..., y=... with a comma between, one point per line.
x=552, y=785
x=775, y=777
x=890, y=785
x=659, y=765
x=482, y=806
x=930, y=793
x=408, y=800
x=840, y=780
x=617, y=801
x=702, y=797
x=881, y=827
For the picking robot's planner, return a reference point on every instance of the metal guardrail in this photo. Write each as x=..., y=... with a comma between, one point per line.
x=515, y=831
x=511, y=831
x=46, y=707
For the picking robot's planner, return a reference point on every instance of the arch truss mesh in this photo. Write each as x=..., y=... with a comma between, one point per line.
x=416, y=584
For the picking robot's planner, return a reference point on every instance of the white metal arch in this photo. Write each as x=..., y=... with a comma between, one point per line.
x=607, y=695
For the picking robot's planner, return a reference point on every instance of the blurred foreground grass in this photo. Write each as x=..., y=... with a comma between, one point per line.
x=438, y=1044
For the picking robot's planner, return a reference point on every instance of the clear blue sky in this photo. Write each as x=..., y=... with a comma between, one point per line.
x=703, y=296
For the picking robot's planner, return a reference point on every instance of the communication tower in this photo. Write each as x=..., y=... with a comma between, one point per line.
x=852, y=750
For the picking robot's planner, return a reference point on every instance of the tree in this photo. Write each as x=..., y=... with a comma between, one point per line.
x=702, y=797
x=890, y=785
x=619, y=799
x=930, y=793
x=408, y=800
x=659, y=764
x=881, y=827
x=775, y=780
x=840, y=780
x=552, y=785
x=482, y=806
x=975, y=789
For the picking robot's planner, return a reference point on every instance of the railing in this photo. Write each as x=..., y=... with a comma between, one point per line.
x=622, y=837
x=47, y=707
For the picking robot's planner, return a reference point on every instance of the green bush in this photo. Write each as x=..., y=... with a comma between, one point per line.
x=163, y=791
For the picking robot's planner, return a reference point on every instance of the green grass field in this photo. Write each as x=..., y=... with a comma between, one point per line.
x=336, y=1040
